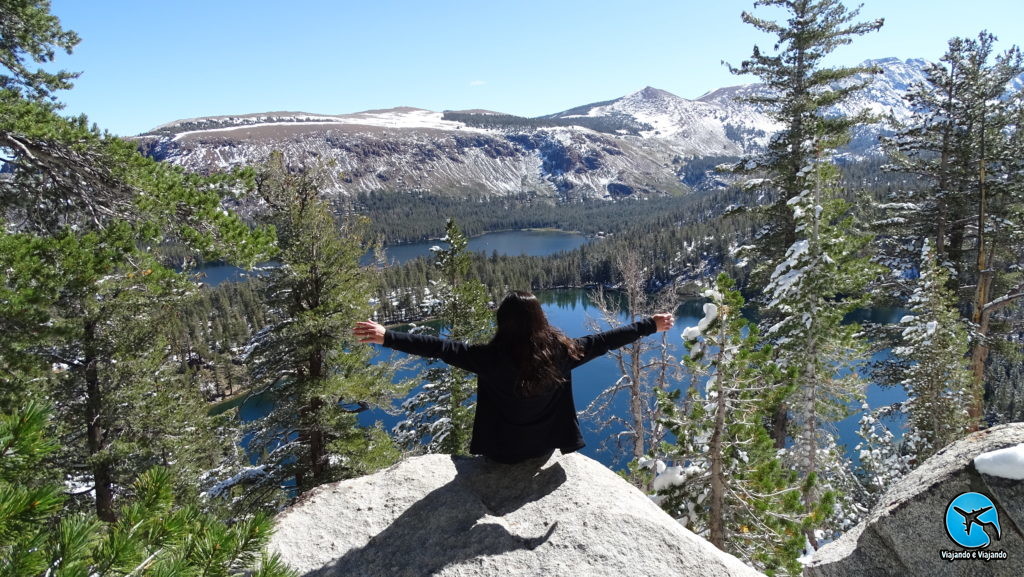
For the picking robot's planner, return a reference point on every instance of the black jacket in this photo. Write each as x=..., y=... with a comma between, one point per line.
x=508, y=427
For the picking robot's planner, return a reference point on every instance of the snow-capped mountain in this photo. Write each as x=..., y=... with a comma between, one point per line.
x=417, y=150
x=635, y=145
x=695, y=127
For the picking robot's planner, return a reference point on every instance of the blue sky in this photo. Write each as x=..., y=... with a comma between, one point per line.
x=147, y=63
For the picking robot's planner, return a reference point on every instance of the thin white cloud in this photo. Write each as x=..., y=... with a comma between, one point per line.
x=477, y=82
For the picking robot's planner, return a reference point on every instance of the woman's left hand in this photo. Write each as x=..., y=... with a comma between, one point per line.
x=664, y=321
x=369, y=332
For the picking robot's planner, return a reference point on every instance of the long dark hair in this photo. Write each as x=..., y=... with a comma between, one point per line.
x=536, y=346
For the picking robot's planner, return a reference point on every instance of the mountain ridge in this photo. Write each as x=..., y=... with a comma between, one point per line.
x=637, y=145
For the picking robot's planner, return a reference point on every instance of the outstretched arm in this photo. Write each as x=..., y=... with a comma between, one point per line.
x=454, y=353
x=596, y=345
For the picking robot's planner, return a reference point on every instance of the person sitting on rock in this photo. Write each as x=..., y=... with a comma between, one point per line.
x=525, y=407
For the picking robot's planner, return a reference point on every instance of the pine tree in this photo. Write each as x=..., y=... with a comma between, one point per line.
x=998, y=203
x=933, y=369
x=122, y=406
x=440, y=417
x=967, y=146
x=822, y=271
x=798, y=92
x=155, y=535
x=729, y=483
x=320, y=376
x=84, y=296
x=96, y=348
x=810, y=293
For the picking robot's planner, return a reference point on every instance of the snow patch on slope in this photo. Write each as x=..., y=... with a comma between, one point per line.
x=397, y=118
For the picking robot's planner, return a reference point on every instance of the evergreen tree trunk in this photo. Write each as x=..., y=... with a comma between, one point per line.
x=780, y=425
x=943, y=179
x=317, y=442
x=811, y=376
x=103, y=478
x=716, y=519
x=811, y=467
x=317, y=446
x=982, y=295
x=636, y=406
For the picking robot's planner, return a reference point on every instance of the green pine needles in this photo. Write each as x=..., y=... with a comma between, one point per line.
x=154, y=535
x=306, y=357
x=729, y=481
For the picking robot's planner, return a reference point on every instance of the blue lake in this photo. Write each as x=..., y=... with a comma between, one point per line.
x=573, y=312
x=569, y=309
x=513, y=243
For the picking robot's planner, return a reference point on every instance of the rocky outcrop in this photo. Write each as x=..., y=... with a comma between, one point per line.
x=439, y=515
x=906, y=534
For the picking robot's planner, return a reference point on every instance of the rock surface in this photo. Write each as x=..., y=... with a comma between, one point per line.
x=438, y=515
x=904, y=534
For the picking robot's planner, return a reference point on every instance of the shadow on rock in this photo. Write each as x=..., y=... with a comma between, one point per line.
x=456, y=522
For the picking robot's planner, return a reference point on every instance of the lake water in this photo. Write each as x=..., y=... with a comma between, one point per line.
x=513, y=242
x=573, y=312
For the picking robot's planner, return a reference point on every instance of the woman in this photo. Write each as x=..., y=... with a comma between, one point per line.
x=524, y=406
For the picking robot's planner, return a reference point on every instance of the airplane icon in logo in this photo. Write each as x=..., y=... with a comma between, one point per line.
x=966, y=511
x=971, y=519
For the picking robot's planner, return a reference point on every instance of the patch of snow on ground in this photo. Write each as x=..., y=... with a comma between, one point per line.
x=243, y=476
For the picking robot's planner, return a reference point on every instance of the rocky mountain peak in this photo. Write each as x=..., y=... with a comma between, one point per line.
x=651, y=93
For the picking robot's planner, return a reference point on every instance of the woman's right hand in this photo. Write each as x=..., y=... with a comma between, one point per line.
x=369, y=332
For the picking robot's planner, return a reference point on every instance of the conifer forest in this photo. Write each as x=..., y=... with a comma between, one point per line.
x=114, y=351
